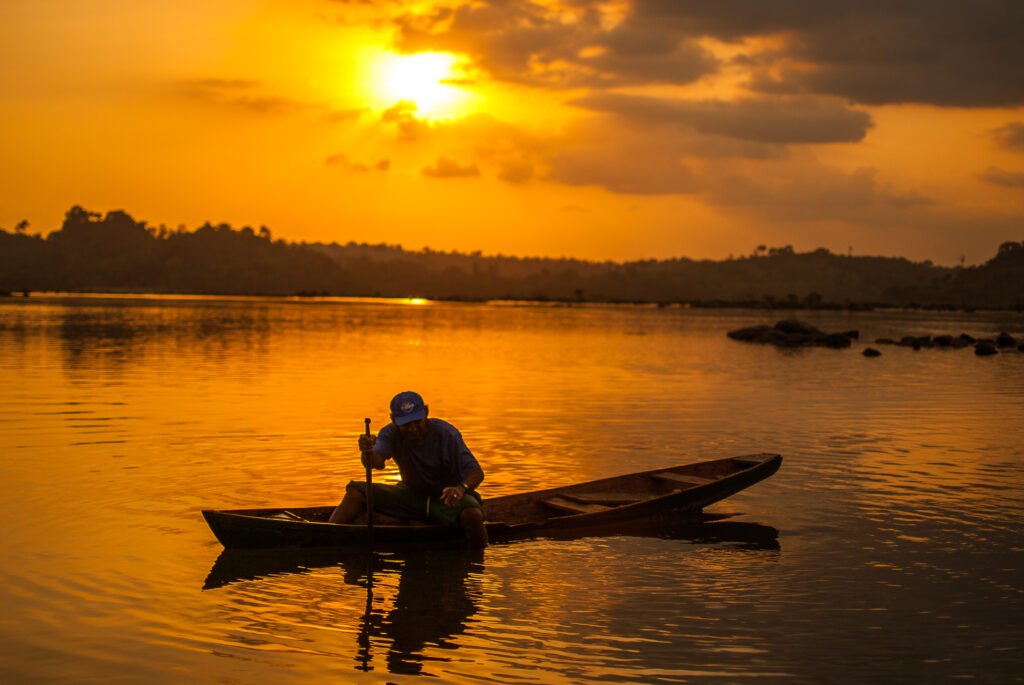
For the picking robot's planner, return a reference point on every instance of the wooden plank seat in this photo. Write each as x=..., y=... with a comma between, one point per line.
x=611, y=499
x=681, y=479
x=286, y=515
x=567, y=506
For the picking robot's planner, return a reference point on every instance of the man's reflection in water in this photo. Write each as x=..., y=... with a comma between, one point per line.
x=432, y=605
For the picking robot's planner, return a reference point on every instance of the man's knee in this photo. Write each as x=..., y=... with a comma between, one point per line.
x=352, y=504
x=471, y=516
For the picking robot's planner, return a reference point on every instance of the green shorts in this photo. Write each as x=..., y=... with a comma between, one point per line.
x=401, y=502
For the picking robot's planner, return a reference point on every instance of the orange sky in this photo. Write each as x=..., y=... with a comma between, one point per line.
x=602, y=130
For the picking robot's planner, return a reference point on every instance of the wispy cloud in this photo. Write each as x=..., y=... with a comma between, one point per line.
x=1010, y=136
x=446, y=168
x=403, y=115
x=1003, y=178
x=338, y=116
x=342, y=161
x=243, y=94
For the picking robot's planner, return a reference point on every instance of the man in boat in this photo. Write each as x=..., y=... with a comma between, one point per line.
x=439, y=473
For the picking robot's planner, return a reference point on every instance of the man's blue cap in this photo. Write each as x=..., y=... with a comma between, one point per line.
x=406, y=407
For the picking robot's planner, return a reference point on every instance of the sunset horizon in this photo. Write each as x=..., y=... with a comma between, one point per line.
x=511, y=341
x=602, y=131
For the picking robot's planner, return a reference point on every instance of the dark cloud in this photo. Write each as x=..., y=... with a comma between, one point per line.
x=779, y=121
x=570, y=45
x=940, y=52
x=342, y=161
x=241, y=94
x=1011, y=136
x=670, y=160
x=1003, y=178
x=446, y=168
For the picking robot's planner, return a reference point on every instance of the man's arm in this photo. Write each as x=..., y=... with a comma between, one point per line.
x=473, y=480
x=379, y=461
x=366, y=445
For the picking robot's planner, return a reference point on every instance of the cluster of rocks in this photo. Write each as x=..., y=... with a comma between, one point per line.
x=793, y=333
x=982, y=346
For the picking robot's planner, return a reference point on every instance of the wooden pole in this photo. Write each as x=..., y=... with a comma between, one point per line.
x=364, y=636
x=368, y=458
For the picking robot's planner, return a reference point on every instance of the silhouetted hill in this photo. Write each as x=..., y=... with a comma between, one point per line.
x=117, y=253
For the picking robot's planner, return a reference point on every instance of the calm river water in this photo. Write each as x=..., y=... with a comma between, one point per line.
x=888, y=549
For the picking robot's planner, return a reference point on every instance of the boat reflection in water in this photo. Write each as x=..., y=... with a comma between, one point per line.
x=431, y=605
x=436, y=590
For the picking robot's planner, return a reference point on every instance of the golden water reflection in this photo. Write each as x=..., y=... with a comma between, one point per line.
x=124, y=417
x=420, y=602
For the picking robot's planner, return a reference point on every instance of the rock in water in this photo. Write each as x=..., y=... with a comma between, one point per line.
x=794, y=326
x=792, y=333
x=871, y=352
x=1006, y=340
x=836, y=341
x=985, y=349
x=761, y=334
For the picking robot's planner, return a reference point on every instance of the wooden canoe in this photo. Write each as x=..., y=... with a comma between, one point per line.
x=607, y=504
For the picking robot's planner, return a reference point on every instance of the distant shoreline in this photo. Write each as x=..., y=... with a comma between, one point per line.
x=535, y=302
x=117, y=254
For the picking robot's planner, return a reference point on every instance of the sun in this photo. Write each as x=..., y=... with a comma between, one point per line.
x=425, y=79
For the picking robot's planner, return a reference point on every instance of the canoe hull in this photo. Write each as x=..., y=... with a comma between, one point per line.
x=515, y=517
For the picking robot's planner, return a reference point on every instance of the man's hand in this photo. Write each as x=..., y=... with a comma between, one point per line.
x=366, y=442
x=452, y=494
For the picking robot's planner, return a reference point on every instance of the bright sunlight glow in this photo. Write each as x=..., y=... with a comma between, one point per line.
x=419, y=79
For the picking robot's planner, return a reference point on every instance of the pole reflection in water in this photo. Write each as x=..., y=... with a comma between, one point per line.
x=364, y=653
x=418, y=600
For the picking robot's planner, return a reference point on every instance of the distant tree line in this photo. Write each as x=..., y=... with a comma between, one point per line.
x=115, y=252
